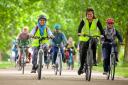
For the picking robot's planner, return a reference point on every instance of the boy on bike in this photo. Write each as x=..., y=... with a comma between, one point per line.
x=41, y=30
x=59, y=39
x=110, y=34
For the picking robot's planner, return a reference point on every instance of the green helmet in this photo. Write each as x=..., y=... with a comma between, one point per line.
x=57, y=26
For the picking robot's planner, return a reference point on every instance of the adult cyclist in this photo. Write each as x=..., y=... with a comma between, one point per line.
x=40, y=30
x=88, y=26
x=59, y=39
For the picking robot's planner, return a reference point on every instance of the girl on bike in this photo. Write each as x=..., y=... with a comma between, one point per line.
x=110, y=34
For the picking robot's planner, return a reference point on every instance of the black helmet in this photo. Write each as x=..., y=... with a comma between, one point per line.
x=42, y=17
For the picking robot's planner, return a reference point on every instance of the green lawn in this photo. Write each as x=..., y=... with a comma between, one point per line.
x=5, y=64
x=120, y=70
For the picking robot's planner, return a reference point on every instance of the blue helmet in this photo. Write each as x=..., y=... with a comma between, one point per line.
x=42, y=17
x=57, y=26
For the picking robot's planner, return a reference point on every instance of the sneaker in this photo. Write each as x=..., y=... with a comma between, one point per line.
x=80, y=72
x=105, y=73
x=53, y=65
x=33, y=71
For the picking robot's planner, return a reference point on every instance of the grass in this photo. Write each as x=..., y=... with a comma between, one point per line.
x=120, y=70
x=6, y=64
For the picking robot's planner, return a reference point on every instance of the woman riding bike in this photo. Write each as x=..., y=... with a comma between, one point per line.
x=23, y=40
x=88, y=26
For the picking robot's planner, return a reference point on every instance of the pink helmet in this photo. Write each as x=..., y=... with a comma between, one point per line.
x=110, y=21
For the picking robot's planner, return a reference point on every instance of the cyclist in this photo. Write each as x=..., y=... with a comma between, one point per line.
x=41, y=30
x=60, y=39
x=110, y=33
x=24, y=40
x=15, y=49
x=89, y=25
x=70, y=48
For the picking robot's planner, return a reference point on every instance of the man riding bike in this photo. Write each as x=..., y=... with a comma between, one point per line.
x=89, y=25
x=110, y=34
x=59, y=39
x=41, y=30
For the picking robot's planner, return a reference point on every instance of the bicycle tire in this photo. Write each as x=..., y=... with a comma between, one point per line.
x=60, y=63
x=89, y=64
x=112, y=71
x=23, y=62
x=40, y=64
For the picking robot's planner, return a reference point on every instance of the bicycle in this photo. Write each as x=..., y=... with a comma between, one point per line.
x=89, y=58
x=112, y=65
x=22, y=59
x=58, y=63
x=70, y=60
x=40, y=56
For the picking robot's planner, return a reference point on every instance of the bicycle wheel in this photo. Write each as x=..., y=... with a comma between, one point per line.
x=89, y=61
x=40, y=64
x=60, y=63
x=112, y=65
x=23, y=62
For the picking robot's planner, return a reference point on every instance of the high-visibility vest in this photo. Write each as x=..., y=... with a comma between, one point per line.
x=92, y=30
x=35, y=42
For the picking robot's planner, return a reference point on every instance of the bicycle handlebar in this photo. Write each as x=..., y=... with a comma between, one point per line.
x=94, y=36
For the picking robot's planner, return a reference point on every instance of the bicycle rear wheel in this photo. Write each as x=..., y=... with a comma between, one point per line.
x=40, y=65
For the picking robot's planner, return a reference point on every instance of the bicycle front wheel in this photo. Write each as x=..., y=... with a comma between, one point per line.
x=40, y=65
x=112, y=65
x=60, y=64
x=89, y=62
x=23, y=61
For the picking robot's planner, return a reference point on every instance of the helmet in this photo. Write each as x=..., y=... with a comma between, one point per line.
x=57, y=26
x=42, y=17
x=110, y=21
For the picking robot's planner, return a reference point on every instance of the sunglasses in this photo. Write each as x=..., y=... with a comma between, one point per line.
x=110, y=23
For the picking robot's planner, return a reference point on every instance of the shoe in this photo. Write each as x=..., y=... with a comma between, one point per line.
x=33, y=71
x=53, y=65
x=105, y=73
x=80, y=72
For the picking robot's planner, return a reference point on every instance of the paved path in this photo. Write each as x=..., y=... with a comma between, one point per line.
x=14, y=77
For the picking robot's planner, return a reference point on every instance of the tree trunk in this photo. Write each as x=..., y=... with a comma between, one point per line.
x=0, y=57
x=126, y=46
